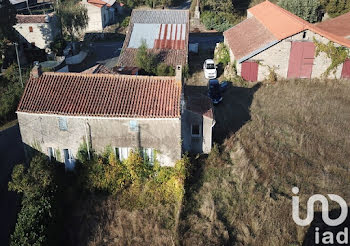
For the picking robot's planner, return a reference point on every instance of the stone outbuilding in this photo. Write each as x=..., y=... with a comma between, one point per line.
x=37, y=30
x=271, y=38
x=59, y=112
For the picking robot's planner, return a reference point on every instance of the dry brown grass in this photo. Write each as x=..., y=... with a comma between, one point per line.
x=298, y=136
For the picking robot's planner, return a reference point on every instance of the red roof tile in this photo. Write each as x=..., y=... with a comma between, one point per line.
x=99, y=68
x=269, y=20
x=98, y=3
x=339, y=26
x=103, y=95
x=33, y=18
x=248, y=36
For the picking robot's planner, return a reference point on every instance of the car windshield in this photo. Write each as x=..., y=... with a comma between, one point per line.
x=210, y=66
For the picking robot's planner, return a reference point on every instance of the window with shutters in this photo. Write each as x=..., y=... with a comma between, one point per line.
x=30, y=29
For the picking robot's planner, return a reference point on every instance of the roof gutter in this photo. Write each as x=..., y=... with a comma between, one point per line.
x=265, y=47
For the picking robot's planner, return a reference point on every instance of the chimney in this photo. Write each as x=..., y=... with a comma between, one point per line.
x=178, y=74
x=36, y=71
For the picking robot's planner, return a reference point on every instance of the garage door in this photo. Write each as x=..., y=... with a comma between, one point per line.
x=301, y=60
x=346, y=69
x=250, y=70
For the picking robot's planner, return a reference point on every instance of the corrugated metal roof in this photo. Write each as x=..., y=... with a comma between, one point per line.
x=158, y=36
x=160, y=16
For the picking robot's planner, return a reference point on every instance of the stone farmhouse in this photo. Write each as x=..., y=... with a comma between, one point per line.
x=37, y=30
x=165, y=33
x=273, y=38
x=59, y=112
x=101, y=14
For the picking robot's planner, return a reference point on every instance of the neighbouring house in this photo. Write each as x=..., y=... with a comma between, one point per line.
x=23, y=4
x=271, y=38
x=101, y=14
x=37, y=30
x=59, y=112
x=165, y=33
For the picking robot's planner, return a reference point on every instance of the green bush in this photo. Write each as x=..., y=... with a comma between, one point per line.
x=125, y=22
x=222, y=55
x=38, y=188
x=58, y=45
x=145, y=60
x=165, y=70
x=218, y=21
x=307, y=10
x=337, y=7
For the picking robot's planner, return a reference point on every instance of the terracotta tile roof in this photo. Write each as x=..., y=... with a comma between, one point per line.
x=170, y=56
x=280, y=23
x=247, y=37
x=98, y=3
x=103, y=95
x=339, y=26
x=99, y=68
x=200, y=104
x=21, y=19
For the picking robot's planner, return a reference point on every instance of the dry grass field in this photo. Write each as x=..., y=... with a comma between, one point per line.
x=298, y=135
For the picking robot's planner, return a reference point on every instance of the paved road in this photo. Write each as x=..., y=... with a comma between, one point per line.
x=11, y=153
x=206, y=40
x=184, y=5
x=102, y=52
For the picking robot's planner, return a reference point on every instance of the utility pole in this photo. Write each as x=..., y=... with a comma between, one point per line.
x=19, y=65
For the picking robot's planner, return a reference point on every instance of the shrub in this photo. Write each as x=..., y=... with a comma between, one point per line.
x=144, y=60
x=125, y=22
x=222, y=54
x=38, y=187
x=308, y=10
x=218, y=21
x=337, y=7
x=165, y=70
x=58, y=45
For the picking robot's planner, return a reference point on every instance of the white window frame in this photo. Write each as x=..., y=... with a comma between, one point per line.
x=148, y=155
x=51, y=153
x=122, y=153
x=199, y=129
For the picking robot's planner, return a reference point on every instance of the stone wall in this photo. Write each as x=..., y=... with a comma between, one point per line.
x=42, y=131
x=277, y=57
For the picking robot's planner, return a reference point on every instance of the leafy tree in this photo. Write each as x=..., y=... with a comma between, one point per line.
x=7, y=20
x=37, y=186
x=306, y=9
x=338, y=7
x=73, y=16
x=216, y=21
x=145, y=60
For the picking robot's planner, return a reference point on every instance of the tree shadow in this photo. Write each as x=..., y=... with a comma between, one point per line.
x=310, y=236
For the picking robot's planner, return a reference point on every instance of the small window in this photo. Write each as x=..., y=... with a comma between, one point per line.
x=133, y=126
x=62, y=123
x=51, y=153
x=304, y=35
x=30, y=29
x=195, y=130
x=122, y=153
x=148, y=155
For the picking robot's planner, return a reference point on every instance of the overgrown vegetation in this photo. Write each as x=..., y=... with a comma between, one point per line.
x=53, y=200
x=297, y=136
x=336, y=7
x=10, y=92
x=37, y=216
x=308, y=10
x=148, y=63
x=222, y=55
x=73, y=16
x=337, y=54
x=152, y=3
